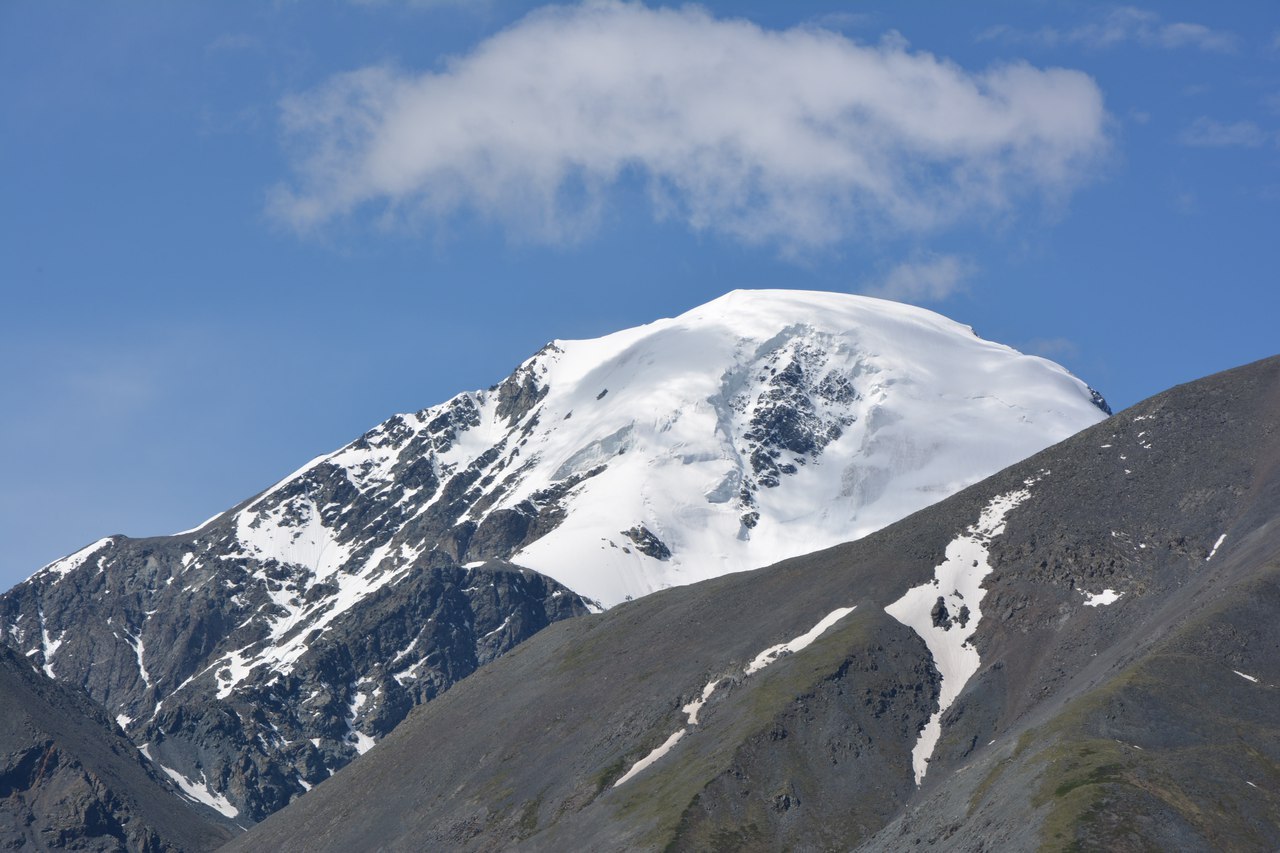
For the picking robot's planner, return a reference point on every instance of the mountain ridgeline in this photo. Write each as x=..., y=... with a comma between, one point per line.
x=1079, y=652
x=254, y=656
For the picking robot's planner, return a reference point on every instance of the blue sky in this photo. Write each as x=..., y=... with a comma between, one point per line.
x=235, y=235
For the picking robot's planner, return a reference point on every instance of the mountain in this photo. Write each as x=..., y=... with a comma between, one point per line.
x=155, y=634
x=69, y=779
x=1079, y=652
x=263, y=650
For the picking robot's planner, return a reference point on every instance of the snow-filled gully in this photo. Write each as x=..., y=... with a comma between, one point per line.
x=758, y=663
x=945, y=612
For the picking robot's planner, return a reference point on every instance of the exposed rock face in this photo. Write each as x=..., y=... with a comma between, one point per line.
x=939, y=615
x=1120, y=596
x=799, y=411
x=260, y=680
x=648, y=544
x=69, y=779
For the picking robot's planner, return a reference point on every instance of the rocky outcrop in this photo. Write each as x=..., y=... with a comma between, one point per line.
x=69, y=779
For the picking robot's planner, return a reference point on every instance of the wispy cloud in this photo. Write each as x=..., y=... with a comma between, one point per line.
x=1052, y=347
x=799, y=138
x=1126, y=24
x=927, y=279
x=1206, y=132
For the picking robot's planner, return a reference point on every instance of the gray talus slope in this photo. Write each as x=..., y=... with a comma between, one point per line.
x=1172, y=505
x=69, y=779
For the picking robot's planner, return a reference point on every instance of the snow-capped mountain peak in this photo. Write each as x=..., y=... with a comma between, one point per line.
x=306, y=622
x=758, y=426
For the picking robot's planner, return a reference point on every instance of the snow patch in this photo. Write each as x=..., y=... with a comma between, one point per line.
x=74, y=561
x=49, y=646
x=135, y=641
x=232, y=669
x=502, y=627
x=1216, y=546
x=199, y=791
x=1245, y=677
x=1097, y=599
x=651, y=757
x=361, y=741
x=772, y=653
x=759, y=662
x=957, y=581
x=292, y=533
x=691, y=710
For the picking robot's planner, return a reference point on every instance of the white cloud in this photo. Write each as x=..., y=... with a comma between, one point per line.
x=1121, y=25
x=929, y=279
x=799, y=138
x=1205, y=132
